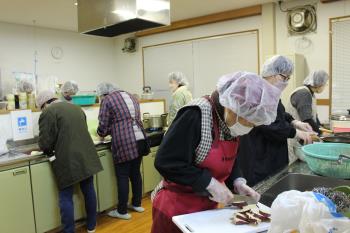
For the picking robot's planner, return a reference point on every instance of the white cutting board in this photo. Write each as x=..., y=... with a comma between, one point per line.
x=218, y=220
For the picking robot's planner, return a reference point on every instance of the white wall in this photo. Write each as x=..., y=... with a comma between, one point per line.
x=87, y=59
x=317, y=55
x=129, y=66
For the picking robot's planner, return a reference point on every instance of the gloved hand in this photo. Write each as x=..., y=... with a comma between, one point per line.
x=305, y=136
x=219, y=192
x=302, y=126
x=241, y=187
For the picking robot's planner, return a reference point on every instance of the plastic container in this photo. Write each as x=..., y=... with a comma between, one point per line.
x=11, y=105
x=31, y=101
x=323, y=159
x=23, y=100
x=84, y=100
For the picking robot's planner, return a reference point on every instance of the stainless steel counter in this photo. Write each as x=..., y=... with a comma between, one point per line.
x=20, y=151
x=20, y=155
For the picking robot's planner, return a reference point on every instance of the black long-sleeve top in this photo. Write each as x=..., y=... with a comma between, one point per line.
x=175, y=156
x=264, y=151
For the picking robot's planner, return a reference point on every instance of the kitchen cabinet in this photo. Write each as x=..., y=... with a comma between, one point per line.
x=16, y=203
x=45, y=196
x=107, y=184
x=151, y=177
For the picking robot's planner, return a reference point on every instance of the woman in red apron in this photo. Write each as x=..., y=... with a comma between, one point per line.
x=197, y=156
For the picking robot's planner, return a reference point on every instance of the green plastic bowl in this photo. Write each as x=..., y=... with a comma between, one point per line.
x=84, y=100
x=322, y=158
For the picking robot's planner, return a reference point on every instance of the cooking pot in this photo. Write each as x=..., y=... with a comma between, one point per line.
x=147, y=93
x=155, y=121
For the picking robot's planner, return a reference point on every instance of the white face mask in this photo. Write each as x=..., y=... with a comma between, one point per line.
x=238, y=129
x=281, y=84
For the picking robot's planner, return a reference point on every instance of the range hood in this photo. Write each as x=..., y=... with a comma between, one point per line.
x=115, y=17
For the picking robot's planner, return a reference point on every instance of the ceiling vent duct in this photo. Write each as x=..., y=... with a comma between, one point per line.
x=115, y=17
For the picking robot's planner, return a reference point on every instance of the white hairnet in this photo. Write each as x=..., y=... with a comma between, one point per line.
x=43, y=97
x=70, y=88
x=316, y=79
x=25, y=86
x=179, y=78
x=249, y=96
x=105, y=89
x=277, y=65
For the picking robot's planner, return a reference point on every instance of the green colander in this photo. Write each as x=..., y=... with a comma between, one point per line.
x=325, y=159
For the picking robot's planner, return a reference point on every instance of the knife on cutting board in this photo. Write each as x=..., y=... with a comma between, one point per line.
x=240, y=198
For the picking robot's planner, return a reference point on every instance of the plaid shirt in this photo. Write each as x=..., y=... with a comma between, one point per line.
x=116, y=120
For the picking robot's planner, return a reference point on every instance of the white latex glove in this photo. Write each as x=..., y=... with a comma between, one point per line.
x=241, y=187
x=305, y=136
x=219, y=192
x=302, y=126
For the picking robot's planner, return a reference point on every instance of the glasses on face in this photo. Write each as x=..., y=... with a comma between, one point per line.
x=284, y=77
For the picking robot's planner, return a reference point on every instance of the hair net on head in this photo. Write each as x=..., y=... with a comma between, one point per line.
x=70, y=88
x=105, y=89
x=277, y=65
x=249, y=96
x=43, y=97
x=25, y=86
x=178, y=77
x=316, y=79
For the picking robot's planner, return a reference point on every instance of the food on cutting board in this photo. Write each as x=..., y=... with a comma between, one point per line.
x=339, y=198
x=249, y=215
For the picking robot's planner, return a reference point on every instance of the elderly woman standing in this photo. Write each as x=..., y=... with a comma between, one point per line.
x=181, y=95
x=197, y=155
x=303, y=101
x=120, y=117
x=303, y=107
x=64, y=137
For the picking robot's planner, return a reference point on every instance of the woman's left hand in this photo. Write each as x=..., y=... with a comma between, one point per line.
x=243, y=189
x=302, y=126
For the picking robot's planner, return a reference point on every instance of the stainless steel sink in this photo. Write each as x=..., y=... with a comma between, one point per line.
x=23, y=146
x=299, y=182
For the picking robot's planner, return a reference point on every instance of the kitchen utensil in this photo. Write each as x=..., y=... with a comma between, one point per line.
x=342, y=157
x=336, y=139
x=238, y=198
x=326, y=130
x=147, y=93
x=324, y=159
x=155, y=121
x=217, y=220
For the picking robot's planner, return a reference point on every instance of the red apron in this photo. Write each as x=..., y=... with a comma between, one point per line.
x=175, y=199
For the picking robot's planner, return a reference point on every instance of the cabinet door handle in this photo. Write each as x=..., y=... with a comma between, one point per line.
x=19, y=172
